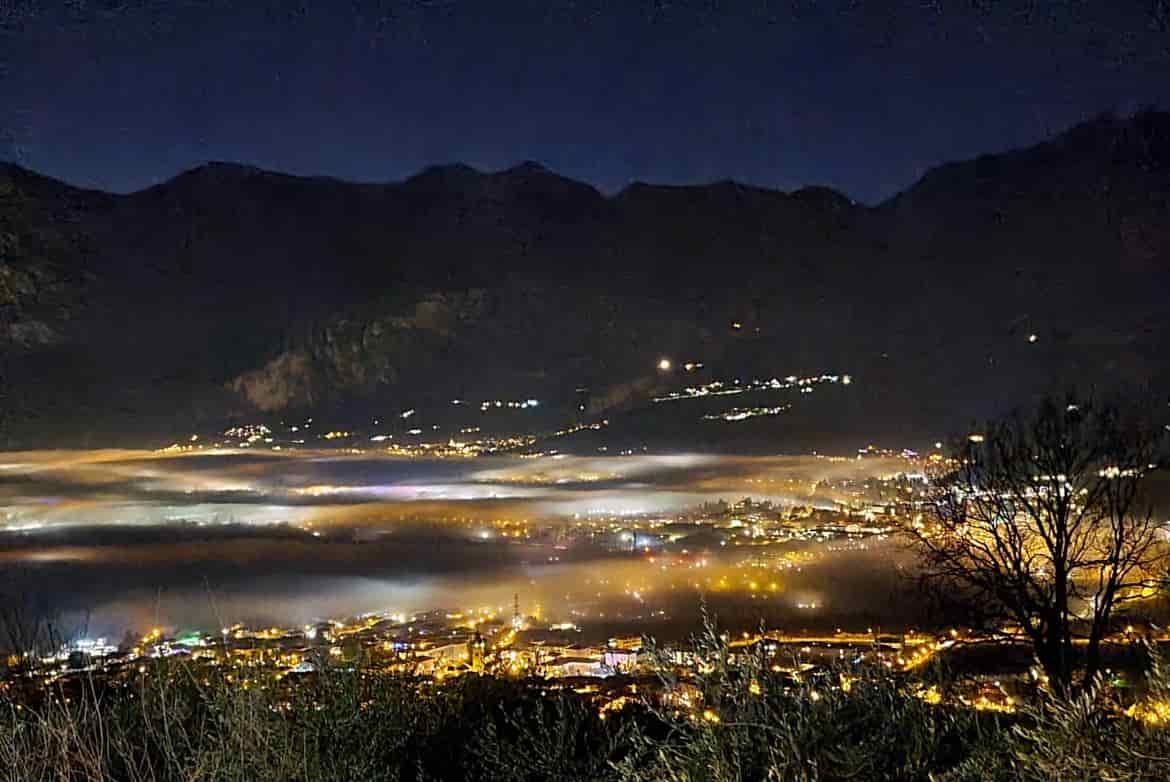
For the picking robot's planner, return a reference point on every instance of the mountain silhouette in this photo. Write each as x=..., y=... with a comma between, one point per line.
x=230, y=292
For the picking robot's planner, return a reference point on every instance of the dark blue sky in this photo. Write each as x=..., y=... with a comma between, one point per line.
x=120, y=94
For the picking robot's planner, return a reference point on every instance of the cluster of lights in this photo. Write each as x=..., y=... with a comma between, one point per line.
x=453, y=448
x=511, y=404
x=249, y=434
x=738, y=386
x=744, y=413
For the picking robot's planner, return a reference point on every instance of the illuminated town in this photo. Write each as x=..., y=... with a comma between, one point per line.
x=638, y=575
x=605, y=564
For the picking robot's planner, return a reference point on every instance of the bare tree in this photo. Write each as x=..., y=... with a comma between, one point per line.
x=27, y=627
x=1042, y=520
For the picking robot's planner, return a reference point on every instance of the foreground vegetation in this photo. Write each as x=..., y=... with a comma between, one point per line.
x=742, y=721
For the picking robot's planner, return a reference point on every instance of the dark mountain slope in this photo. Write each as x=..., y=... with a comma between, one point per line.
x=230, y=292
x=1068, y=240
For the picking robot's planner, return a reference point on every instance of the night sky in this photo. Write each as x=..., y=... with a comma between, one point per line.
x=122, y=94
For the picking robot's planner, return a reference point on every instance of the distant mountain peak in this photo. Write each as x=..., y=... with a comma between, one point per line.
x=222, y=168
x=210, y=173
x=446, y=171
x=527, y=167
x=823, y=196
x=532, y=177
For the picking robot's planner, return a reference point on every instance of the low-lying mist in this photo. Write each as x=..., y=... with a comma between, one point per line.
x=115, y=540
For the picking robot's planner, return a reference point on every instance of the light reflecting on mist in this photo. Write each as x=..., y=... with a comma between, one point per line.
x=134, y=538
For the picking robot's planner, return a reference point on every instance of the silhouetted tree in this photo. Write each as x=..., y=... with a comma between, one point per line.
x=1041, y=519
x=27, y=625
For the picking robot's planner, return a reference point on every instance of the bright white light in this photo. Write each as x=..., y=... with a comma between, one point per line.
x=664, y=365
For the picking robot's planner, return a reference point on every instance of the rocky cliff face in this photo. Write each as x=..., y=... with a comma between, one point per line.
x=231, y=291
x=354, y=355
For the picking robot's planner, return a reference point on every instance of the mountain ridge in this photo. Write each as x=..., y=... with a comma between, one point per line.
x=234, y=170
x=1145, y=121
